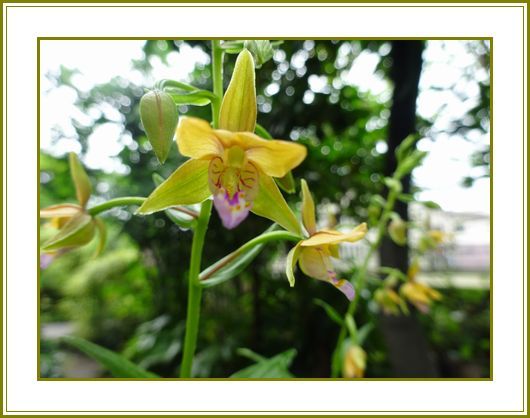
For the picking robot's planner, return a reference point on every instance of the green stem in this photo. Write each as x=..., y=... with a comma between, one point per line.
x=260, y=239
x=194, y=288
x=360, y=276
x=119, y=201
x=217, y=78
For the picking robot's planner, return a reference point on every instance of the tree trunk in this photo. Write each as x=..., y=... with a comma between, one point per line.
x=407, y=346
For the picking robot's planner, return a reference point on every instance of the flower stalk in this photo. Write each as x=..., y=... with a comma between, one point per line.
x=194, y=288
x=360, y=276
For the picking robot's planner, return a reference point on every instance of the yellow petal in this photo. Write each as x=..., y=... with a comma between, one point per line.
x=308, y=210
x=270, y=204
x=196, y=139
x=292, y=258
x=65, y=210
x=238, y=110
x=276, y=158
x=273, y=156
x=187, y=185
x=334, y=237
x=314, y=264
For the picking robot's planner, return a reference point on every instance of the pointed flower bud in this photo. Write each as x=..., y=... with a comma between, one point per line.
x=159, y=117
x=238, y=110
x=83, y=188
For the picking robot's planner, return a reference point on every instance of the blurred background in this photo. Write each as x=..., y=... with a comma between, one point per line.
x=350, y=102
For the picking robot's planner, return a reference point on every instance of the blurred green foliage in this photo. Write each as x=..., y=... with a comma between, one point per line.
x=133, y=298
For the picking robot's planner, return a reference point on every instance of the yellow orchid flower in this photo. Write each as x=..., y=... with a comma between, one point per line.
x=76, y=227
x=354, y=362
x=419, y=294
x=389, y=301
x=314, y=253
x=232, y=164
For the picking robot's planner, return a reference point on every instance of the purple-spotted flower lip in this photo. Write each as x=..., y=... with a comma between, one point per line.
x=314, y=254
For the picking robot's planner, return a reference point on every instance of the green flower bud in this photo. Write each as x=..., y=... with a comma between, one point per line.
x=397, y=229
x=159, y=118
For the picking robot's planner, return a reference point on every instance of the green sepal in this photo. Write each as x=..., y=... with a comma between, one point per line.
x=239, y=109
x=330, y=311
x=270, y=204
x=290, y=263
x=159, y=118
x=78, y=231
x=286, y=183
x=187, y=185
x=179, y=218
x=83, y=188
x=102, y=233
x=261, y=50
x=196, y=98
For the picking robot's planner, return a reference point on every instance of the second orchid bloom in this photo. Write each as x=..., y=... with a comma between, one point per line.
x=314, y=254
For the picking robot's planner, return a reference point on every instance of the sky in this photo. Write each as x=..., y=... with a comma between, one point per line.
x=445, y=65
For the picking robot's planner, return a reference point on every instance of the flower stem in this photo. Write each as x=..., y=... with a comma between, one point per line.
x=194, y=288
x=119, y=201
x=361, y=275
x=260, y=239
x=217, y=79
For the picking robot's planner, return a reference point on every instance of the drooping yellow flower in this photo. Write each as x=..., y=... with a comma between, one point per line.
x=354, y=362
x=389, y=301
x=76, y=227
x=314, y=253
x=419, y=294
x=232, y=163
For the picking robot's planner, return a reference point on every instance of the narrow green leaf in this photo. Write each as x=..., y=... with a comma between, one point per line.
x=83, y=188
x=430, y=204
x=78, y=231
x=409, y=163
x=116, y=364
x=230, y=266
x=363, y=333
x=276, y=367
x=403, y=148
x=248, y=353
x=196, y=98
x=330, y=311
x=261, y=131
